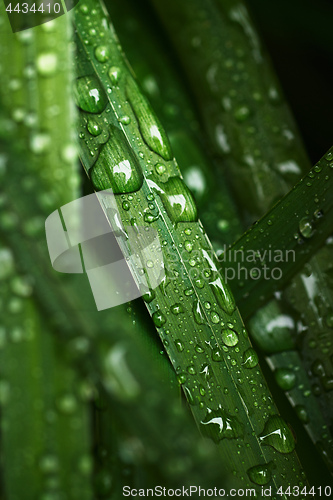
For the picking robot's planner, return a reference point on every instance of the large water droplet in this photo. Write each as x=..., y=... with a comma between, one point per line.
x=285, y=378
x=150, y=127
x=250, y=358
x=102, y=53
x=47, y=63
x=219, y=424
x=117, y=167
x=159, y=319
x=260, y=474
x=277, y=434
x=178, y=200
x=114, y=74
x=305, y=227
x=93, y=128
x=177, y=309
x=89, y=94
x=229, y=337
x=198, y=313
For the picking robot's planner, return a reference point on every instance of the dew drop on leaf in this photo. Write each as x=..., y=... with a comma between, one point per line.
x=277, y=434
x=89, y=94
x=250, y=358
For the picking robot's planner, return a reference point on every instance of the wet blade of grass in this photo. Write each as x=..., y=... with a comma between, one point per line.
x=45, y=438
x=166, y=90
x=219, y=45
x=295, y=228
x=195, y=315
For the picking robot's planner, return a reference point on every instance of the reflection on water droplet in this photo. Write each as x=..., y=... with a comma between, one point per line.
x=219, y=424
x=178, y=200
x=159, y=319
x=242, y=113
x=260, y=474
x=46, y=64
x=302, y=413
x=177, y=309
x=67, y=404
x=285, y=378
x=305, y=227
x=102, y=53
x=40, y=143
x=150, y=127
x=93, y=128
x=49, y=464
x=229, y=337
x=114, y=74
x=117, y=167
x=198, y=313
x=277, y=434
x=89, y=94
x=250, y=358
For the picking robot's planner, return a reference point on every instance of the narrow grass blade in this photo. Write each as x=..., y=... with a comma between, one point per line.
x=270, y=328
x=265, y=156
x=196, y=317
x=295, y=228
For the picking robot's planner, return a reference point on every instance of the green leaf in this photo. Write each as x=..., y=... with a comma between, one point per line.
x=194, y=313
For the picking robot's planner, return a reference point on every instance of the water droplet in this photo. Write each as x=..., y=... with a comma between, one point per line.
x=305, y=227
x=188, y=246
x=178, y=200
x=329, y=156
x=148, y=217
x=277, y=434
x=199, y=349
x=21, y=286
x=114, y=74
x=6, y=263
x=49, y=464
x=219, y=424
x=229, y=337
x=221, y=290
x=93, y=128
x=102, y=53
x=160, y=168
x=111, y=170
x=47, y=63
x=217, y=355
x=40, y=143
x=69, y=153
x=302, y=413
x=198, y=313
x=191, y=370
x=181, y=377
x=89, y=94
x=150, y=127
x=199, y=283
x=125, y=120
x=84, y=9
x=67, y=404
x=260, y=474
x=177, y=309
x=242, y=113
x=214, y=317
x=250, y=358
x=159, y=319
x=179, y=345
x=285, y=378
